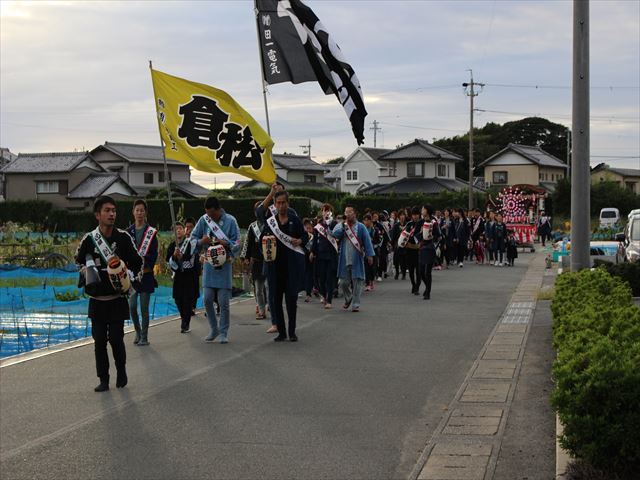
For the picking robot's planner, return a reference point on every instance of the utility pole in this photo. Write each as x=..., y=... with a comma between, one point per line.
x=569, y=154
x=306, y=149
x=471, y=93
x=580, y=155
x=375, y=129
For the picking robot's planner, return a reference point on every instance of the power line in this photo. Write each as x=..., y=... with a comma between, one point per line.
x=49, y=127
x=562, y=87
x=419, y=127
x=564, y=115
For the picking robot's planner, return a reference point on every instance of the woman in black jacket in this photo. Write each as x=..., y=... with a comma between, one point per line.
x=460, y=236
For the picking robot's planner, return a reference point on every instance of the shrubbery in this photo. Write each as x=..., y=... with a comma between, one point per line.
x=596, y=332
x=629, y=272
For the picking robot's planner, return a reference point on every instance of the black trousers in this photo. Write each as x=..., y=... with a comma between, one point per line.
x=326, y=277
x=460, y=251
x=185, y=305
x=291, y=298
x=107, y=326
x=382, y=262
x=425, y=271
x=414, y=269
x=400, y=262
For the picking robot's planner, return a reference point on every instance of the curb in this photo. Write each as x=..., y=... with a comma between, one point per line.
x=562, y=456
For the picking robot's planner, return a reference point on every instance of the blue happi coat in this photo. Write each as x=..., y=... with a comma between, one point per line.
x=148, y=282
x=357, y=262
x=219, y=277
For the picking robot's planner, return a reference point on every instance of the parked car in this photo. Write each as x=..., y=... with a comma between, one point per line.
x=609, y=217
x=629, y=246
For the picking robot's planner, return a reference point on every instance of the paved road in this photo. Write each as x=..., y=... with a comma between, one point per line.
x=357, y=397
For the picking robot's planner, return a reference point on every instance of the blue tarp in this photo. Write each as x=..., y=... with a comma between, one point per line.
x=32, y=317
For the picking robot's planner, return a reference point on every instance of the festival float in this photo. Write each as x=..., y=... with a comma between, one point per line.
x=520, y=206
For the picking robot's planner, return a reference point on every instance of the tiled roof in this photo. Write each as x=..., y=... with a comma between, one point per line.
x=192, y=188
x=297, y=162
x=334, y=172
x=45, y=162
x=95, y=184
x=135, y=153
x=420, y=150
x=417, y=185
x=375, y=153
x=534, y=154
x=625, y=172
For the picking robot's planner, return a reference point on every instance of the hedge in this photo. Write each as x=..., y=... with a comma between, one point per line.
x=629, y=272
x=38, y=212
x=28, y=211
x=596, y=332
x=438, y=201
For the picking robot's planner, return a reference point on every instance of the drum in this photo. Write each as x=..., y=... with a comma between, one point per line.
x=269, y=248
x=216, y=255
x=427, y=231
x=118, y=275
x=403, y=239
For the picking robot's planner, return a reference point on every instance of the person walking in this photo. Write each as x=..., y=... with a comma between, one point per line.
x=429, y=235
x=189, y=225
x=253, y=259
x=108, y=307
x=183, y=257
x=144, y=236
x=413, y=248
x=217, y=227
x=324, y=252
x=460, y=235
x=477, y=231
x=399, y=255
x=500, y=238
x=355, y=246
x=489, y=233
x=544, y=228
x=285, y=274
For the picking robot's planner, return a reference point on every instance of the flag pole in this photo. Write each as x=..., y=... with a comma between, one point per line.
x=164, y=157
x=264, y=83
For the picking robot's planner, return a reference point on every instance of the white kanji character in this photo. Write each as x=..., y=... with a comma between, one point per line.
x=267, y=34
x=271, y=54
x=266, y=20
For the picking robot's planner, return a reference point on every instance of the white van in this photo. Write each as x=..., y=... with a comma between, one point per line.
x=609, y=217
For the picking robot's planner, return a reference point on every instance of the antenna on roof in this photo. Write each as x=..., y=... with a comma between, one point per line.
x=306, y=149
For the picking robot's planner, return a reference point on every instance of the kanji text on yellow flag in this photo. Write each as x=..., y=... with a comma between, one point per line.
x=206, y=128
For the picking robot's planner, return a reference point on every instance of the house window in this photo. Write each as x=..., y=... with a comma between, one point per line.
x=415, y=169
x=309, y=179
x=48, y=187
x=442, y=171
x=352, y=175
x=148, y=178
x=161, y=177
x=500, y=177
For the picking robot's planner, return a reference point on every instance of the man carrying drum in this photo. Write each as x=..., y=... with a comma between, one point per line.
x=355, y=245
x=218, y=234
x=109, y=262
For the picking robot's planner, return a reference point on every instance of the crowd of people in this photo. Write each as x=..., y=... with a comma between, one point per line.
x=334, y=255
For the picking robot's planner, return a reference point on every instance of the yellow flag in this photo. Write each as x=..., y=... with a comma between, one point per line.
x=205, y=128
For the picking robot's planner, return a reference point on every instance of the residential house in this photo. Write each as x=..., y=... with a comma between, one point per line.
x=361, y=169
x=6, y=157
x=70, y=180
x=416, y=167
x=332, y=177
x=293, y=171
x=523, y=164
x=624, y=177
x=142, y=167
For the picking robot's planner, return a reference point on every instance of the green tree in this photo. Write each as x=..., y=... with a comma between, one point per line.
x=335, y=161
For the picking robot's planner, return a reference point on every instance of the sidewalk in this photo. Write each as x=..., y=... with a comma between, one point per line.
x=499, y=424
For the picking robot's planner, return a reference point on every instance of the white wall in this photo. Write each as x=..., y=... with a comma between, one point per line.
x=510, y=158
x=367, y=172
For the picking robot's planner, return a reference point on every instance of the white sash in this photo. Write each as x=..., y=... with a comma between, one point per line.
x=283, y=237
x=185, y=244
x=103, y=247
x=216, y=230
x=273, y=210
x=352, y=237
x=256, y=229
x=325, y=233
x=146, y=240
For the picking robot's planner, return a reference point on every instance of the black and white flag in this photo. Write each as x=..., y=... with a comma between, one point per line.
x=297, y=48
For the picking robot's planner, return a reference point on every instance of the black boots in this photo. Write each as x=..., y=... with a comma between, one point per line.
x=121, y=380
x=103, y=386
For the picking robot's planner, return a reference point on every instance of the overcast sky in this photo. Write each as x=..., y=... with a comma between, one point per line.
x=74, y=74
